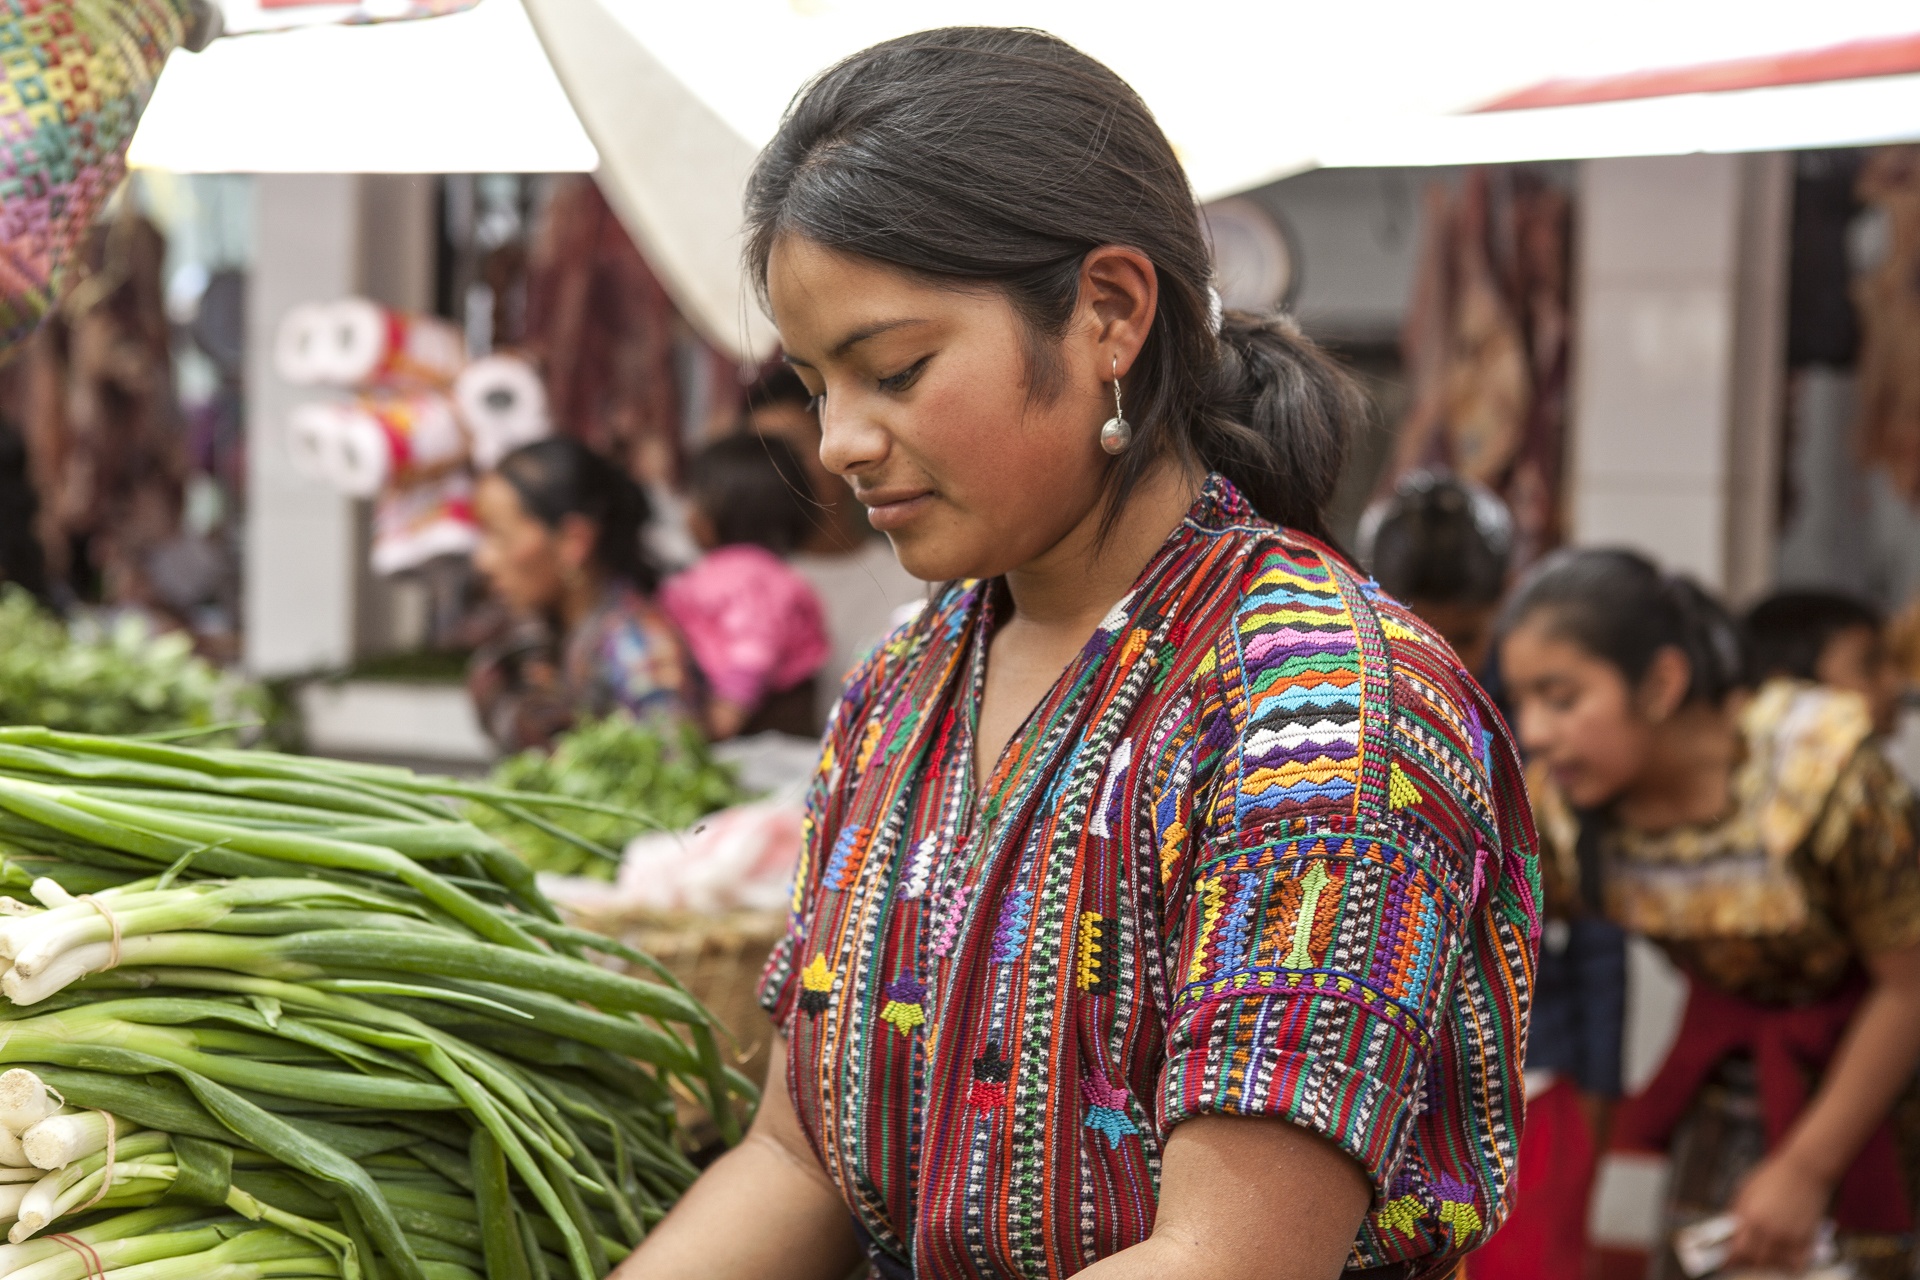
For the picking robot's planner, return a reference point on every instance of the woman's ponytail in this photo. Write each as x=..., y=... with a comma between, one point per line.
x=1277, y=419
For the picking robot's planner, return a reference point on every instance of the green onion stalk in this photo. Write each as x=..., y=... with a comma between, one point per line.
x=276, y=1016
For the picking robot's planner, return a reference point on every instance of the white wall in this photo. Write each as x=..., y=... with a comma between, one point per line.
x=1679, y=281
x=299, y=582
x=1358, y=233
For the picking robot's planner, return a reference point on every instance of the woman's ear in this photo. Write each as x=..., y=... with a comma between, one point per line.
x=1119, y=293
x=574, y=539
x=1663, y=689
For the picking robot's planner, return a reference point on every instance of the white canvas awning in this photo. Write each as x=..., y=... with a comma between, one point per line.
x=672, y=99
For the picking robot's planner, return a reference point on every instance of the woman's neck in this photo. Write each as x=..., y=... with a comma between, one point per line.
x=578, y=598
x=1070, y=587
x=1688, y=776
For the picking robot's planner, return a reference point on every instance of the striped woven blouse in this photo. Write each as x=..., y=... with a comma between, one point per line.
x=1263, y=850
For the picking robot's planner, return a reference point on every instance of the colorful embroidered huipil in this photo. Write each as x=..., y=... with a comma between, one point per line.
x=1263, y=850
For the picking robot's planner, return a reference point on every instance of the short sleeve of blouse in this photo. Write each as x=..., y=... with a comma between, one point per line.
x=1867, y=838
x=1338, y=917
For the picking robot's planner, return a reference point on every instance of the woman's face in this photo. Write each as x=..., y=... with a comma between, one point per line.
x=521, y=558
x=1575, y=713
x=926, y=411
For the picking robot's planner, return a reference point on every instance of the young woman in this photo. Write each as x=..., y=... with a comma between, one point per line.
x=560, y=546
x=1766, y=847
x=1166, y=906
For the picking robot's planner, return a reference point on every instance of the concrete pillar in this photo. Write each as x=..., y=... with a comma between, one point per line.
x=300, y=573
x=1681, y=267
x=310, y=600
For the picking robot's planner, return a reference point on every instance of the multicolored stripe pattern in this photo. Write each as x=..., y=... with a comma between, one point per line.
x=1264, y=850
x=74, y=77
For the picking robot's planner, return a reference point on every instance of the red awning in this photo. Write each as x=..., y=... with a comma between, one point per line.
x=1855, y=60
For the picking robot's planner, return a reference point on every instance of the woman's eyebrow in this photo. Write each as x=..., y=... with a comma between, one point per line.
x=853, y=340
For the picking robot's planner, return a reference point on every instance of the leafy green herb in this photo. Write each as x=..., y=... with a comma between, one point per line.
x=121, y=679
x=666, y=774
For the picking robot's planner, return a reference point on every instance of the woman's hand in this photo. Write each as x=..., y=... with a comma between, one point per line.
x=765, y=1210
x=1778, y=1209
x=1780, y=1205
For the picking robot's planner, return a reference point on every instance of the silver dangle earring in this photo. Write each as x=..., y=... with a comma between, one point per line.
x=1117, y=434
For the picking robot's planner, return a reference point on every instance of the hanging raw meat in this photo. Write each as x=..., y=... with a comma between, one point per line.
x=1487, y=377
x=94, y=390
x=1485, y=346
x=1887, y=298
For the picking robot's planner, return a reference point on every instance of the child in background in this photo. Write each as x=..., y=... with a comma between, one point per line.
x=753, y=623
x=1828, y=638
x=1441, y=545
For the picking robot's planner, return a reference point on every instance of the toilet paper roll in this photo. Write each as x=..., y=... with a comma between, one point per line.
x=299, y=346
x=503, y=404
x=365, y=455
x=313, y=438
x=367, y=345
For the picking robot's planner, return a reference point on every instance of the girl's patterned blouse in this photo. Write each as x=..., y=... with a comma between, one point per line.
x=1264, y=850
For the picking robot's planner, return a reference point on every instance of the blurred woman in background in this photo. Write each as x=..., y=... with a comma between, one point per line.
x=1767, y=848
x=1441, y=544
x=753, y=624
x=561, y=548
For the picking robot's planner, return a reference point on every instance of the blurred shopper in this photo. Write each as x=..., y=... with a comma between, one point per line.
x=853, y=571
x=1441, y=544
x=753, y=624
x=780, y=406
x=1830, y=638
x=1165, y=907
x=1765, y=845
x=561, y=548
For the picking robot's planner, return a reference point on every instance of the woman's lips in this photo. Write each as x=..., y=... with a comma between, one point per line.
x=888, y=510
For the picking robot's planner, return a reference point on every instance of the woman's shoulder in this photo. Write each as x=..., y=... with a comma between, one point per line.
x=1805, y=744
x=1361, y=696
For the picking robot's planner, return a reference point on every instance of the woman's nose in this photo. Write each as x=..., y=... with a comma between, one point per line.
x=850, y=440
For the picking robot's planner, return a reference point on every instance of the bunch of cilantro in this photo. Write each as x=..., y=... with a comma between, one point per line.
x=664, y=775
x=118, y=679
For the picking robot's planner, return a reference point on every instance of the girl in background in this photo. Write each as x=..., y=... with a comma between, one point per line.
x=753, y=624
x=1766, y=846
x=560, y=546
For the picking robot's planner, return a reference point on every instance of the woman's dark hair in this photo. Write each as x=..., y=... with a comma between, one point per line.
x=1002, y=156
x=1789, y=631
x=754, y=490
x=1618, y=606
x=560, y=477
x=778, y=385
x=1439, y=539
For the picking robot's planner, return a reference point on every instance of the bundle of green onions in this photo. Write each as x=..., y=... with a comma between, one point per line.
x=279, y=1016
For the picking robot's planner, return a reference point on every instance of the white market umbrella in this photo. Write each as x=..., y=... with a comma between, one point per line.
x=678, y=95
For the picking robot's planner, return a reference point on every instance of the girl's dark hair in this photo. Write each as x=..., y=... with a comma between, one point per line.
x=754, y=490
x=1438, y=538
x=1789, y=630
x=1618, y=606
x=1003, y=156
x=560, y=477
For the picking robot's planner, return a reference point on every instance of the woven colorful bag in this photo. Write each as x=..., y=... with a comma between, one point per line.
x=74, y=77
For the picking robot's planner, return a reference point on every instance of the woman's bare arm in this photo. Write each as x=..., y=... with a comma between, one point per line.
x=1781, y=1203
x=1247, y=1198
x=764, y=1211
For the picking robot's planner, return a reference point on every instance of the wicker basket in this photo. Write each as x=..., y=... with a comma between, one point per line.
x=719, y=958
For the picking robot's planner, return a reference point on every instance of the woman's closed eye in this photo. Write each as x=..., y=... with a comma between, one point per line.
x=896, y=383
